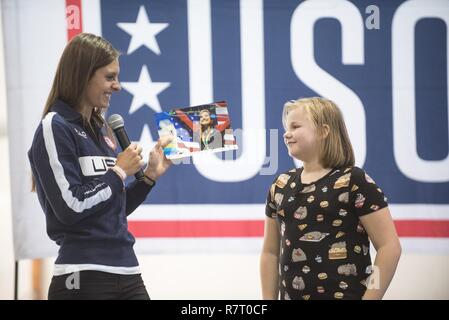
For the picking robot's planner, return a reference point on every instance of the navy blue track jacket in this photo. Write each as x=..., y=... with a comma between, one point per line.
x=85, y=203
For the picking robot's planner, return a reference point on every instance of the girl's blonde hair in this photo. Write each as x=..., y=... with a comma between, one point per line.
x=336, y=148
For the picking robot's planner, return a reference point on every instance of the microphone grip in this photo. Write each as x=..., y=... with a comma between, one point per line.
x=124, y=142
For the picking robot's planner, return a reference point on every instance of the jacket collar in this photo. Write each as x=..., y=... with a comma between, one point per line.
x=66, y=111
x=70, y=114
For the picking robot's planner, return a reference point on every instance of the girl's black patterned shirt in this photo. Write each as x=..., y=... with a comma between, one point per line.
x=324, y=250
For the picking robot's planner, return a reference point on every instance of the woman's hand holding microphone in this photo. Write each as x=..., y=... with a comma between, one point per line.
x=130, y=160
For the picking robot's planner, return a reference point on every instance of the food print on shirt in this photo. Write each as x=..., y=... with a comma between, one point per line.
x=324, y=247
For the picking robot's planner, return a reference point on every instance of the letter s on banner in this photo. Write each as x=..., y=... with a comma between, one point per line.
x=304, y=64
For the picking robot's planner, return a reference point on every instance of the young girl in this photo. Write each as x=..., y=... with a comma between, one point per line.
x=321, y=217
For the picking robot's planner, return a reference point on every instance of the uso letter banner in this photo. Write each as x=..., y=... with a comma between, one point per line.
x=383, y=62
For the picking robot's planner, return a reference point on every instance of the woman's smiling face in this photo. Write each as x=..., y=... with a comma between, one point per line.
x=102, y=84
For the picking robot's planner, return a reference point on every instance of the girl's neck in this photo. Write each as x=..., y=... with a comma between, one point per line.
x=313, y=167
x=313, y=171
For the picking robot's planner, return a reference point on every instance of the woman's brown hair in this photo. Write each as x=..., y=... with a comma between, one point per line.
x=82, y=56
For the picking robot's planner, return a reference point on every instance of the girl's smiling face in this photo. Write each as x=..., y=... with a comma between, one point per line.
x=301, y=135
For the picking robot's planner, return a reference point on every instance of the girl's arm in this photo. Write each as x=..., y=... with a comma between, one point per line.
x=269, y=261
x=380, y=228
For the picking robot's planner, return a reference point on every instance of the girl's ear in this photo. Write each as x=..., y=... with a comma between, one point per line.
x=325, y=131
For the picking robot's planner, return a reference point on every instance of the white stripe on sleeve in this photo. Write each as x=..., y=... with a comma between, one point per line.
x=58, y=172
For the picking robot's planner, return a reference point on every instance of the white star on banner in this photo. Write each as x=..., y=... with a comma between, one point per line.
x=145, y=91
x=143, y=32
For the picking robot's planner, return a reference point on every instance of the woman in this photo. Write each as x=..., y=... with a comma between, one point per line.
x=321, y=217
x=79, y=178
x=208, y=132
x=210, y=137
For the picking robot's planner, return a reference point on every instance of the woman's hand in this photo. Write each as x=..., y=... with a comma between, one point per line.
x=130, y=159
x=157, y=162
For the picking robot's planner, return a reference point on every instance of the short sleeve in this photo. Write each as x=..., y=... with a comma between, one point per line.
x=270, y=206
x=365, y=196
x=276, y=193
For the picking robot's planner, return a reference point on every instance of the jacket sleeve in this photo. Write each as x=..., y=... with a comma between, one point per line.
x=136, y=193
x=56, y=164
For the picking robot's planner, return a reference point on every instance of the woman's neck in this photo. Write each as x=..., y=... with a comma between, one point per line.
x=86, y=112
x=206, y=128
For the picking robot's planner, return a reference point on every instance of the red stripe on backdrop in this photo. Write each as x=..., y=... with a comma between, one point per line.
x=423, y=228
x=73, y=18
x=254, y=228
x=196, y=228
